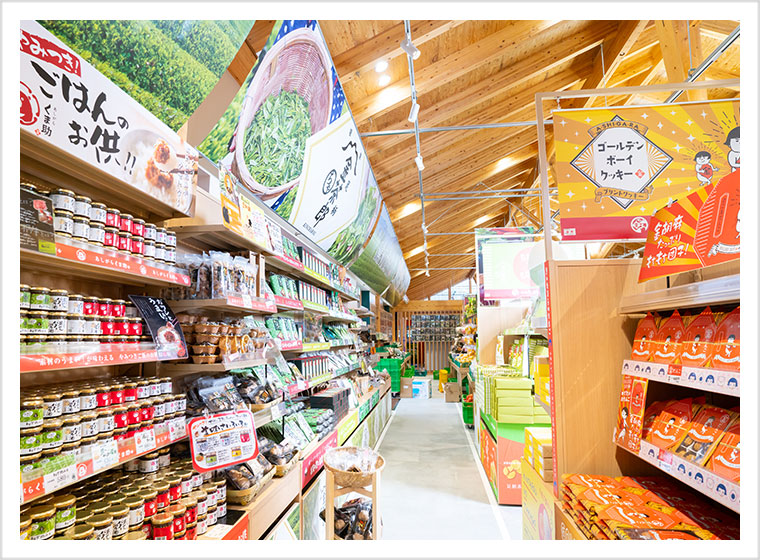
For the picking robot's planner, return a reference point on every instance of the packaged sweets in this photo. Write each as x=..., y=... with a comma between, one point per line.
x=726, y=355
x=667, y=344
x=725, y=461
x=704, y=433
x=671, y=424
x=697, y=345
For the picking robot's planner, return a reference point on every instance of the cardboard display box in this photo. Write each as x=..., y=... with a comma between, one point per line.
x=406, y=387
x=452, y=392
x=422, y=389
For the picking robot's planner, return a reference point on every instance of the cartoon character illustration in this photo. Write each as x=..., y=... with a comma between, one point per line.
x=710, y=379
x=733, y=382
x=692, y=376
x=704, y=168
x=648, y=370
x=732, y=141
x=699, y=479
x=721, y=489
x=661, y=372
x=623, y=424
x=682, y=468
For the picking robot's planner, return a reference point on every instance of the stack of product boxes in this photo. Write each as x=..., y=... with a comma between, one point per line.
x=540, y=373
x=334, y=398
x=538, y=451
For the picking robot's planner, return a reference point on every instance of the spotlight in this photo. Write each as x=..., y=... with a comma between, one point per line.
x=381, y=66
x=427, y=273
x=418, y=161
x=410, y=49
x=413, y=112
x=385, y=79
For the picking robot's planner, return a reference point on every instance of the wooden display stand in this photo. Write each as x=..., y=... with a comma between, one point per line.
x=334, y=491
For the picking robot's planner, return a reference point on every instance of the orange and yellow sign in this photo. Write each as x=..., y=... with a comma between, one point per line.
x=617, y=166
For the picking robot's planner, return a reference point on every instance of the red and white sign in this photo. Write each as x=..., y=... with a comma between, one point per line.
x=239, y=531
x=106, y=355
x=257, y=304
x=313, y=463
x=288, y=303
x=222, y=440
x=289, y=260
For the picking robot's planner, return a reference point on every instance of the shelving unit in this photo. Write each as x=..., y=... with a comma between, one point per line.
x=188, y=369
x=681, y=376
x=231, y=304
x=715, y=291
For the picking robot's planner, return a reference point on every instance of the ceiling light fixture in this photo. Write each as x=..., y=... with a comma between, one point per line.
x=385, y=79
x=413, y=113
x=381, y=66
x=410, y=49
x=418, y=161
x=427, y=273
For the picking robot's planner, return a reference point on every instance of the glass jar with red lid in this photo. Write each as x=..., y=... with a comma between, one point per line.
x=117, y=393
x=105, y=307
x=111, y=238
x=90, y=305
x=125, y=223
x=125, y=242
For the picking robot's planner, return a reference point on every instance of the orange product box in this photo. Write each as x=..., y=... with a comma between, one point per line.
x=642, y=340
x=635, y=517
x=725, y=462
x=697, y=346
x=726, y=355
x=591, y=481
x=672, y=424
x=704, y=433
x=667, y=343
x=650, y=415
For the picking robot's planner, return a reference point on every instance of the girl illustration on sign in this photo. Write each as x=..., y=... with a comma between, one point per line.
x=623, y=424
x=732, y=141
x=704, y=168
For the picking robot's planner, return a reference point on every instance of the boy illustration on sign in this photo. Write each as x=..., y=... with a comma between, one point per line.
x=732, y=141
x=704, y=168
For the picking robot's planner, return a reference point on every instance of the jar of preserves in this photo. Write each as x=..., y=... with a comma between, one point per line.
x=88, y=399
x=212, y=516
x=149, y=249
x=130, y=392
x=31, y=441
x=136, y=535
x=170, y=239
x=191, y=532
x=59, y=300
x=111, y=237
x=138, y=227
x=71, y=448
x=52, y=405
x=148, y=463
x=117, y=393
x=125, y=223
x=210, y=489
x=105, y=437
x=155, y=386
x=71, y=428
x=136, y=507
x=125, y=242
x=103, y=395
x=148, y=496
x=180, y=402
x=191, y=505
x=105, y=307
x=163, y=527
x=105, y=421
x=86, y=444
x=175, y=488
x=63, y=223
x=65, y=512
x=72, y=402
x=166, y=385
x=150, y=232
x=26, y=296
x=221, y=510
x=135, y=326
x=75, y=324
x=143, y=389
x=102, y=525
x=26, y=525
x=202, y=524
x=138, y=245
x=98, y=507
x=38, y=322
x=146, y=410
x=178, y=511
x=113, y=217
x=82, y=205
x=170, y=255
x=32, y=413
x=164, y=458
x=120, y=418
x=30, y=462
x=98, y=213
x=119, y=307
x=133, y=414
x=197, y=480
x=120, y=326
x=162, y=495
x=221, y=491
x=92, y=325
x=63, y=199
x=81, y=229
x=91, y=305
x=161, y=235
x=160, y=252
x=96, y=234
x=186, y=478
x=43, y=522
x=57, y=322
x=40, y=299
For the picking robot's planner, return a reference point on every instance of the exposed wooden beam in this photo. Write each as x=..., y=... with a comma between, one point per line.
x=697, y=56
x=247, y=55
x=361, y=58
x=718, y=29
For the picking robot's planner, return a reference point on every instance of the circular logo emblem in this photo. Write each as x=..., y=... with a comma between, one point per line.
x=81, y=470
x=81, y=255
x=30, y=107
x=639, y=224
x=143, y=270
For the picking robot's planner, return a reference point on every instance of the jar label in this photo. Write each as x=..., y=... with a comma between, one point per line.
x=53, y=409
x=136, y=516
x=88, y=402
x=31, y=418
x=60, y=303
x=72, y=433
x=65, y=517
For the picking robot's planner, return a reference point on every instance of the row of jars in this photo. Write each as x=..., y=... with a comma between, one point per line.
x=61, y=323
x=172, y=502
x=80, y=218
x=40, y=298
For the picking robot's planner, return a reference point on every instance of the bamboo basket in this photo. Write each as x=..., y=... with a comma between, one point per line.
x=298, y=62
x=258, y=407
x=340, y=459
x=282, y=470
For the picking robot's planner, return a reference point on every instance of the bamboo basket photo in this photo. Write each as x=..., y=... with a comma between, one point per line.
x=259, y=407
x=299, y=62
x=282, y=470
x=353, y=466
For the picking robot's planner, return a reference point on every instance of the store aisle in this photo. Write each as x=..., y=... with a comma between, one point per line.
x=431, y=486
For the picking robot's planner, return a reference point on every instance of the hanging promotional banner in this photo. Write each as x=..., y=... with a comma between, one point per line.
x=503, y=256
x=699, y=230
x=289, y=139
x=163, y=326
x=69, y=104
x=222, y=440
x=616, y=166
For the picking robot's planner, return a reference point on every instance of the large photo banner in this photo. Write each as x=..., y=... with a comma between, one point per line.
x=503, y=269
x=289, y=139
x=68, y=103
x=617, y=166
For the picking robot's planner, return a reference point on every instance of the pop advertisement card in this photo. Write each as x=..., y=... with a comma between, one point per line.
x=672, y=424
x=697, y=346
x=726, y=356
x=725, y=462
x=703, y=435
x=667, y=343
x=642, y=340
x=630, y=412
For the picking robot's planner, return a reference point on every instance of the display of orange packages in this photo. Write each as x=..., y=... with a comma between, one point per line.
x=704, y=433
x=726, y=345
x=635, y=517
x=667, y=342
x=591, y=481
x=697, y=346
x=725, y=461
x=642, y=340
x=656, y=535
x=672, y=424
x=650, y=415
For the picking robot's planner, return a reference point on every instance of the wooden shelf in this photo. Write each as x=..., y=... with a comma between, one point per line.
x=686, y=471
x=288, y=304
x=187, y=369
x=343, y=318
x=315, y=307
x=58, y=168
x=95, y=266
x=102, y=355
x=708, y=292
x=231, y=304
x=686, y=376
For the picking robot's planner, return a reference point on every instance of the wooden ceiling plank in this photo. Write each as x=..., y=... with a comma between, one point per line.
x=718, y=29
x=697, y=56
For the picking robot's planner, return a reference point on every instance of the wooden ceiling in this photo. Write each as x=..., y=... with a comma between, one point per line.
x=481, y=72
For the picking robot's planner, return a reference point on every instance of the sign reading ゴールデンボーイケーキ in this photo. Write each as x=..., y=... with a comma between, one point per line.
x=617, y=166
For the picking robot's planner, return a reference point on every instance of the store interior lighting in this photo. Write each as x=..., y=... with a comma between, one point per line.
x=385, y=79
x=410, y=49
x=413, y=113
x=381, y=66
x=418, y=162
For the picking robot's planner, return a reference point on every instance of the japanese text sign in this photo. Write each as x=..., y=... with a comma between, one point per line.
x=222, y=440
x=68, y=103
x=164, y=327
x=617, y=166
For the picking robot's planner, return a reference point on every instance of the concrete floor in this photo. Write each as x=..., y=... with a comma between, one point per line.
x=432, y=486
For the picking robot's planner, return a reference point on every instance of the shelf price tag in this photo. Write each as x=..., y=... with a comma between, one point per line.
x=104, y=455
x=60, y=478
x=177, y=429
x=145, y=441
x=247, y=301
x=223, y=439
